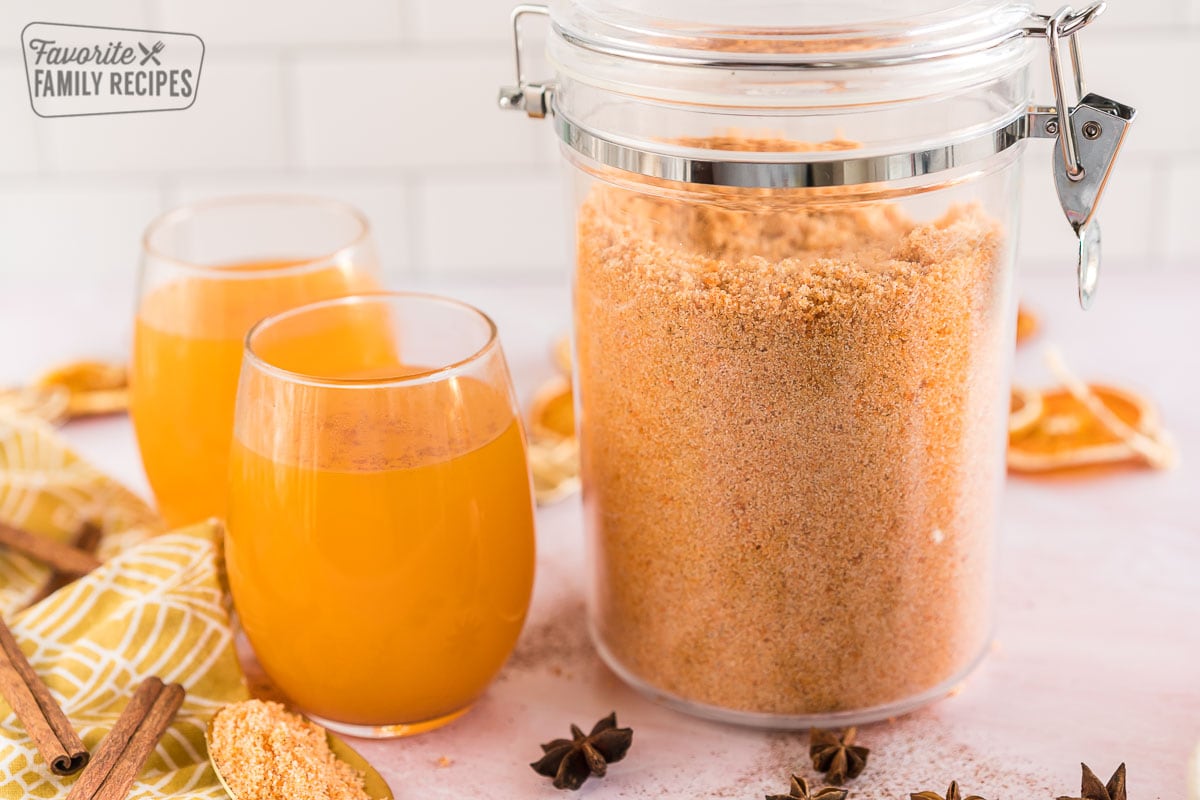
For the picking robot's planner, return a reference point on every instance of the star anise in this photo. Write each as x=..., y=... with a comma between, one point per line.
x=572, y=761
x=1092, y=789
x=837, y=756
x=800, y=791
x=951, y=794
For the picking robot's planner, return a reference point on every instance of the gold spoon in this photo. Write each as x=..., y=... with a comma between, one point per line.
x=373, y=782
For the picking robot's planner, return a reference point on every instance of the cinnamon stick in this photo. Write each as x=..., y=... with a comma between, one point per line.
x=42, y=717
x=87, y=540
x=63, y=557
x=124, y=752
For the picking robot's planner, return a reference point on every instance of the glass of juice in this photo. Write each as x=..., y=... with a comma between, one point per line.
x=380, y=542
x=209, y=272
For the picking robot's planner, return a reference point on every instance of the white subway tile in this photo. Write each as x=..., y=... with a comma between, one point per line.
x=1128, y=211
x=1183, y=212
x=384, y=201
x=409, y=111
x=467, y=20
x=18, y=143
x=222, y=22
x=506, y=223
x=66, y=227
x=289, y=117
x=16, y=14
x=237, y=121
x=1121, y=17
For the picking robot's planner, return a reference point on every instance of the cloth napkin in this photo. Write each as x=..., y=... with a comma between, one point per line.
x=157, y=607
x=45, y=488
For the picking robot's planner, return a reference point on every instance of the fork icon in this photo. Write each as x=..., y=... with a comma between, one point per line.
x=151, y=54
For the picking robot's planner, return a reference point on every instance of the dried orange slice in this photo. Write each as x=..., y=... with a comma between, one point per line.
x=1024, y=410
x=1069, y=433
x=553, y=412
x=553, y=448
x=94, y=387
x=49, y=404
x=555, y=468
x=1027, y=325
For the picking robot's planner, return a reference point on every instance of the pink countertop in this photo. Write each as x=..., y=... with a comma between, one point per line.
x=1097, y=650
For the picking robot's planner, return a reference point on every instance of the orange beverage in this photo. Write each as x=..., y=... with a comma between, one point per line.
x=187, y=352
x=189, y=333
x=380, y=539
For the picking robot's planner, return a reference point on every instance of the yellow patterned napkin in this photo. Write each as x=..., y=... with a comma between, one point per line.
x=46, y=488
x=156, y=607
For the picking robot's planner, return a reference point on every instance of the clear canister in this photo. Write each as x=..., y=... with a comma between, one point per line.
x=794, y=233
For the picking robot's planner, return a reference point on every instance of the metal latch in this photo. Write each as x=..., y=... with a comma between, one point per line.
x=535, y=99
x=1089, y=133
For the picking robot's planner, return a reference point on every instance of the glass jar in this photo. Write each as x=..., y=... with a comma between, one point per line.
x=795, y=228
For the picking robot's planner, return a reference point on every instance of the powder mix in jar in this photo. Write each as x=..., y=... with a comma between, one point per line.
x=793, y=349
x=792, y=459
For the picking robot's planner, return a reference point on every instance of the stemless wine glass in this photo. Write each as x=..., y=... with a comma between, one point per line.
x=209, y=272
x=380, y=537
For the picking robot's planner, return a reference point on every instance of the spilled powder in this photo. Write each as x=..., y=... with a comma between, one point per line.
x=265, y=752
x=558, y=643
x=917, y=753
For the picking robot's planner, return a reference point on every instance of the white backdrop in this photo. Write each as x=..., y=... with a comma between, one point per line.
x=390, y=105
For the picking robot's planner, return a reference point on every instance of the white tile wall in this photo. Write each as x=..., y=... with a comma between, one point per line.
x=384, y=199
x=1143, y=16
x=18, y=142
x=441, y=21
x=235, y=22
x=502, y=223
x=1182, y=193
x=427, y=110
x=16, y=14
x=390, y=104
x=67, y=226
x=236, y=124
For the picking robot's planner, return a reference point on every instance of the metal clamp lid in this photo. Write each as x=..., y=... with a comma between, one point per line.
x=535, y=99
x=1090, y=133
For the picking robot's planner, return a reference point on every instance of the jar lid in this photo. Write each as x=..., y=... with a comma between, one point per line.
x=618, y=60
x=650, y=86
x=824, y=34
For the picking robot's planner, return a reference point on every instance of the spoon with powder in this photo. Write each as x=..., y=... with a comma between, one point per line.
x=262, y=751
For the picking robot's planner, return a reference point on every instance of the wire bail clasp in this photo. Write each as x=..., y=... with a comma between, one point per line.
x=535, y=99
x=1090, y=134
